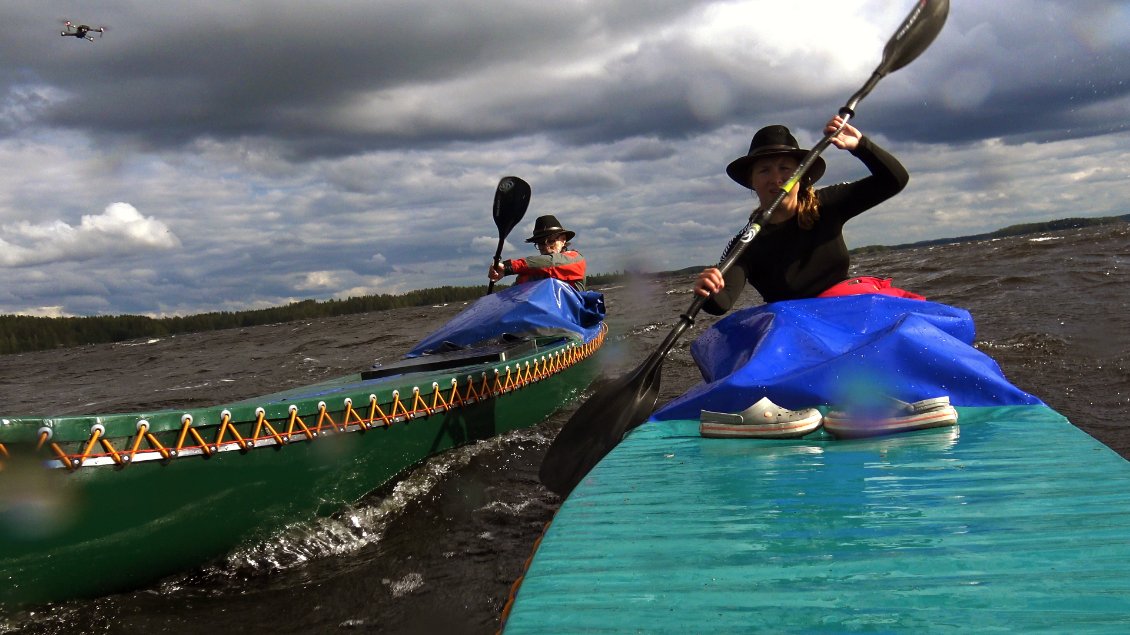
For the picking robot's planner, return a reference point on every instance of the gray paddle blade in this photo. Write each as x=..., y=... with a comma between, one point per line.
x=599, y=425
x=915, y=34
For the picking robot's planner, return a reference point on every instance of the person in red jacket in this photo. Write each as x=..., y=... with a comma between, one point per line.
x=554, y=260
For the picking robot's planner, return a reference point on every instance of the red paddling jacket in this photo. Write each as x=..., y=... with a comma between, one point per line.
x=567, y=266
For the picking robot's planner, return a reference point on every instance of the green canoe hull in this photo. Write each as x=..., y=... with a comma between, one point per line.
x=114, y=517
x=1013, y=520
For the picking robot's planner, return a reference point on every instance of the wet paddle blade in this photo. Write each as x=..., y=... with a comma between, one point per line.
x=916, y=33
x=510, y=202
x=599, y=424
x=511, y=198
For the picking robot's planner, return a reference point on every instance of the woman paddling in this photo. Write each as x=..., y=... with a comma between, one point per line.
x=800, y=252
x=554, y=260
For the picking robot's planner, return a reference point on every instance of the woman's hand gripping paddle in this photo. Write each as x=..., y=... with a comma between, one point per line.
x=510, y=202
x=618, y=407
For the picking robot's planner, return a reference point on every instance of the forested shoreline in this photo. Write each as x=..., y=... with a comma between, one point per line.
x=23, y=333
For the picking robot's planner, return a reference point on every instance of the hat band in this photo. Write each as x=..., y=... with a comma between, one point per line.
x=773, y=150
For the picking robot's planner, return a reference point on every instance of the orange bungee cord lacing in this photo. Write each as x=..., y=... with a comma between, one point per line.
x=190, y=439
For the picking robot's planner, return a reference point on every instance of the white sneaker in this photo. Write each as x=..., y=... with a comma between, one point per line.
x=902, y=417
x=762, y=420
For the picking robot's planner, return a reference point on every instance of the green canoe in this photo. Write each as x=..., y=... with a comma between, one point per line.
x=95, y=504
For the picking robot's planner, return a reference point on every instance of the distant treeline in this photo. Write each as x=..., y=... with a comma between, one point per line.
x=20, y=333
x=1011, y=230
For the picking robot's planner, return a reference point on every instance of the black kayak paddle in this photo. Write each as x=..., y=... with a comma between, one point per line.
x=510, y=202
x=600, y=423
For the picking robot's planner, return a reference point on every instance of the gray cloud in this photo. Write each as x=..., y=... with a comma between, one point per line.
x=328, y=150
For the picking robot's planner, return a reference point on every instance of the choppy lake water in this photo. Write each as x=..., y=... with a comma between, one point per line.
x=438, y=549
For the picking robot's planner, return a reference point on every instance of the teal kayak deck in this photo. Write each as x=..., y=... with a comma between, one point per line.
x=1012, y=521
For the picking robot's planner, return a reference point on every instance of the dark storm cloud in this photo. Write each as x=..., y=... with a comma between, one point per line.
x=229, y=70
x=316, y=151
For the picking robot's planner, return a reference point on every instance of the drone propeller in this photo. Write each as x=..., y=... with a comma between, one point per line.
x=72, y=24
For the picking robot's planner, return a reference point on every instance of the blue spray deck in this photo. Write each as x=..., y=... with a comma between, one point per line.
x=1011, y=521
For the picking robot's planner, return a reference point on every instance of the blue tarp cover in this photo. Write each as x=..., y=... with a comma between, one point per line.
x=536, y=308
x=836, y=351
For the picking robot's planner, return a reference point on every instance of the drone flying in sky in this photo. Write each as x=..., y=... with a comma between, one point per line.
x=81, y=31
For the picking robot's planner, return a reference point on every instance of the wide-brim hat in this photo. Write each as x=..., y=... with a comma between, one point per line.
x=547, y=226
x=771, y=141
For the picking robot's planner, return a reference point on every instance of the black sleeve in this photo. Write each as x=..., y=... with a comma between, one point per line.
x=888, y=177
x=886, y=171
x=722, y=301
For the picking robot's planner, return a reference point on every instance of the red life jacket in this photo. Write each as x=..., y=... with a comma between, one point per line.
x=867, y=284
x=567, y=266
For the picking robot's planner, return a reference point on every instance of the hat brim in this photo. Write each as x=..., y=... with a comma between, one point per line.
x=538, y=236
x=740, y=168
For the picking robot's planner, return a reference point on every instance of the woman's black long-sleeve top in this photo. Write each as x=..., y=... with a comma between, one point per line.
x=786, y=262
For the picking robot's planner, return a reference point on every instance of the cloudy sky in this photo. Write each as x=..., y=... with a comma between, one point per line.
x=219, y=155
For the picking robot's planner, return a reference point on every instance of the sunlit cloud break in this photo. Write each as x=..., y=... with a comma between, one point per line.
x=119, y=230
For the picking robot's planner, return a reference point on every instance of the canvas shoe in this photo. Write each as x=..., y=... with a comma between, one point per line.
x=762, y=420
x=900, y=417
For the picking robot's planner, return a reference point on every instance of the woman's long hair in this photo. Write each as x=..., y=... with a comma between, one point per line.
x=808, y=207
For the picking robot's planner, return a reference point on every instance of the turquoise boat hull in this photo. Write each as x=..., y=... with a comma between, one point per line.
x=1013, y=520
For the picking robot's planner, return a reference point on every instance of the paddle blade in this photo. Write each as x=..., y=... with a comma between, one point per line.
x=510, y=202
x=599, y=425
x=916, y=33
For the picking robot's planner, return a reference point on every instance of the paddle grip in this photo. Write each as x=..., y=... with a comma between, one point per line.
x=497, y=261
x=490, y=287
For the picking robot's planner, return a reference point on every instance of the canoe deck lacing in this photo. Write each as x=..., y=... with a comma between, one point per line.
x=190, y=439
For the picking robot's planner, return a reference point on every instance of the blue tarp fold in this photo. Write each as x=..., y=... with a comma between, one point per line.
x=835, y=351
x=537, y=308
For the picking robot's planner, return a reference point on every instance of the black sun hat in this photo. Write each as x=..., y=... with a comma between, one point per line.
x=770, y=141
x=547, y=226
